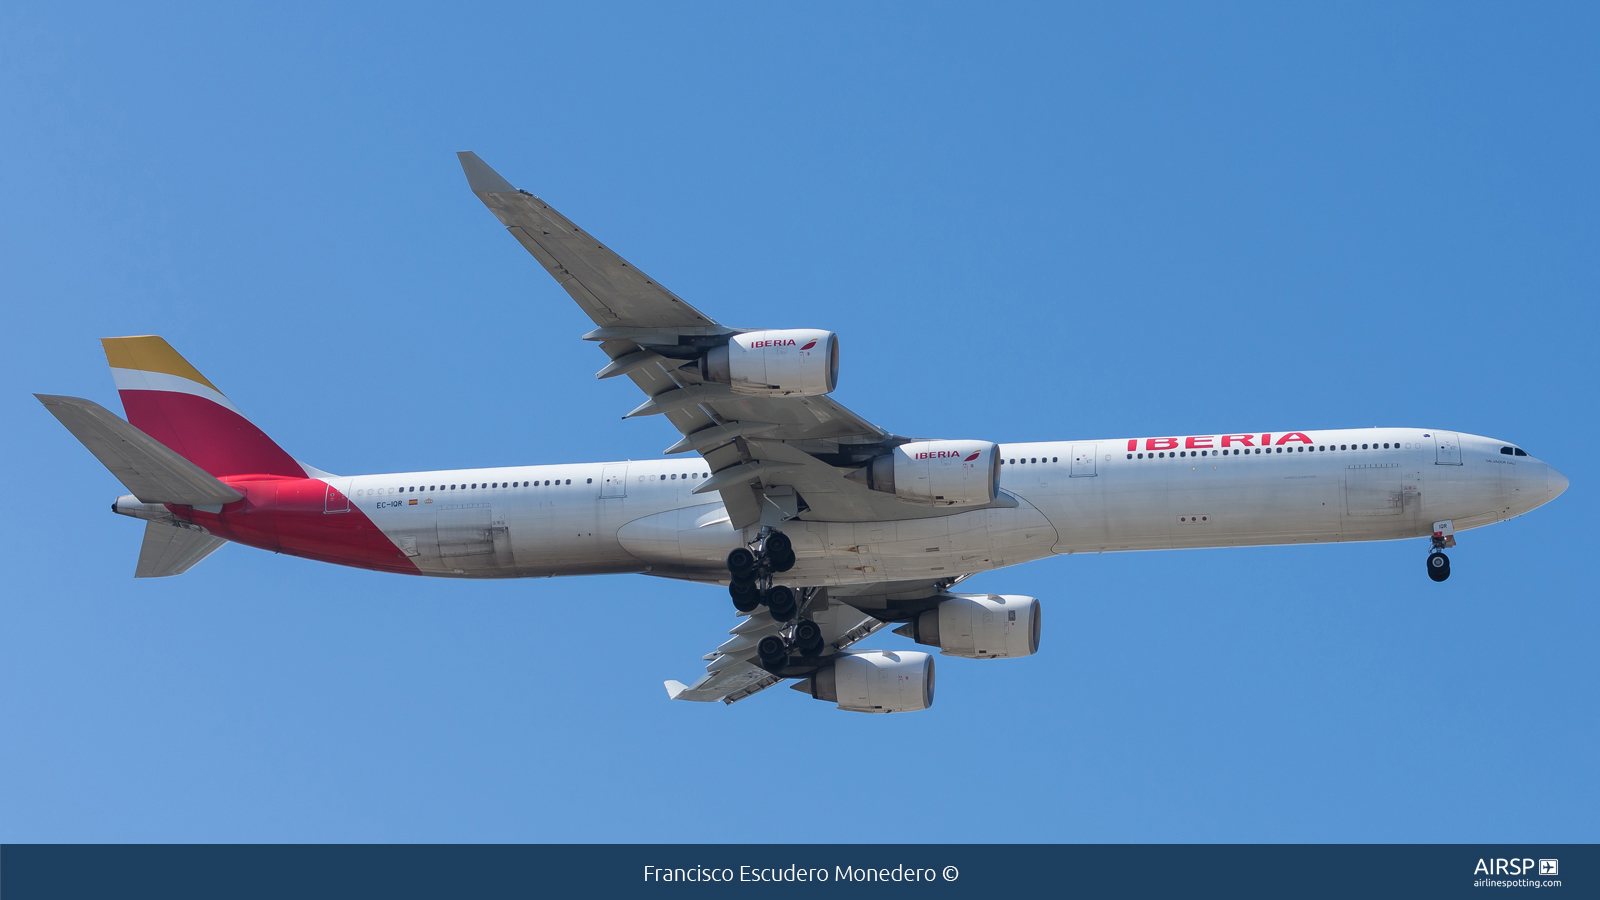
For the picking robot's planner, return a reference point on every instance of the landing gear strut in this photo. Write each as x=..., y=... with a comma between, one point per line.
x=1444, y=535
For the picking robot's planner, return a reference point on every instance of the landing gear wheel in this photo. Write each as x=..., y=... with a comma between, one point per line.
x=746, y=598
x=808, y=637
x=780, y=603
x=1438, y=566
x=783, y=562
x=774, y=652
x=777, y=545
x=741, y=563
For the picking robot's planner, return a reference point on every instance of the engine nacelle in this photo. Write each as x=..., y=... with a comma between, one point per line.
x=936, y=473
x=801, y=361
x=875, y=681
x=979, y=626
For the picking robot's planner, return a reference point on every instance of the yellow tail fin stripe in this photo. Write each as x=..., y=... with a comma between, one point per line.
x=150, y=353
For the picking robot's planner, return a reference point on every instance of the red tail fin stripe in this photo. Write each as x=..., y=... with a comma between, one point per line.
x=213, y=437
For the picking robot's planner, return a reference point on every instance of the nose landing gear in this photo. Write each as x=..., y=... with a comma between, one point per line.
x=1438, y=566
x=1444, y=536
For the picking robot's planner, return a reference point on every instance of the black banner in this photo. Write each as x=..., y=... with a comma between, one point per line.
x=819, y=870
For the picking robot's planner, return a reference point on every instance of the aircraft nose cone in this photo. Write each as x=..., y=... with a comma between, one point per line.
x=1554, y=481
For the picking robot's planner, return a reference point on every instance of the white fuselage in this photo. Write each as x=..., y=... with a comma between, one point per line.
x=1072, y=497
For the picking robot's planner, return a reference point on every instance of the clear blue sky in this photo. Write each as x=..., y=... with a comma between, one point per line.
x=1025, y=223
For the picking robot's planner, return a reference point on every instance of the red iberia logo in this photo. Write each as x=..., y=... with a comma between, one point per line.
x=809, y=345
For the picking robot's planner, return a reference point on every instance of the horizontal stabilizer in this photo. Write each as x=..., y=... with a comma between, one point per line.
x=172, y=550
x=148, y=468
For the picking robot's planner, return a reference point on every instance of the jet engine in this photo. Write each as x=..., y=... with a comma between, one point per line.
x=801, y=361
x=936, y=473
x=979, y=626
x=875, y=681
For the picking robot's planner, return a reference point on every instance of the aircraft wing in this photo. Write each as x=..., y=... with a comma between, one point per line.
x=771, y=457
x=733, y=670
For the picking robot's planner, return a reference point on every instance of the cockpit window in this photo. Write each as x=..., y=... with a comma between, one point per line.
x=1505, y=451
x=1521, y=452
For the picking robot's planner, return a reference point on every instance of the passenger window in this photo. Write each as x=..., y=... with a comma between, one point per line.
x=569, y=481
x=590, y=481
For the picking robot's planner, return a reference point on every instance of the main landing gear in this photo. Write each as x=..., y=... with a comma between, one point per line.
x=804, y=636
x=751, y=587
x=752, y=569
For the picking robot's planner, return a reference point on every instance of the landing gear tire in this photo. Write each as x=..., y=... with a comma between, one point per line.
x=777, y=545
x=741, y=563
x=780, y=602
x=783, y=562
x=1438, y=566
x=746, y=598
x=774, y=652
x=808, y=637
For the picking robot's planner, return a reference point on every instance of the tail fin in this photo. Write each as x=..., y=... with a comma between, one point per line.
x=168, y=399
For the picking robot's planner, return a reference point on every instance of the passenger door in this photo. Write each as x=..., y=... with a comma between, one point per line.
x=1083, y=460
x=1449, y=447
x=614, y=481
x=336, y=501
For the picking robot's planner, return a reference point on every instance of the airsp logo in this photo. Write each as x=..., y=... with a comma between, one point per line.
x=1515, y=867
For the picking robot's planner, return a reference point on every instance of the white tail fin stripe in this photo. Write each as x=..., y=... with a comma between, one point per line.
x=142, y=380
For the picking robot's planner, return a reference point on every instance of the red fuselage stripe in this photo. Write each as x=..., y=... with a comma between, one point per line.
x=290, y=515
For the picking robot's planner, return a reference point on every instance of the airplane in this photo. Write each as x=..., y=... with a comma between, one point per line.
x=823, y=527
